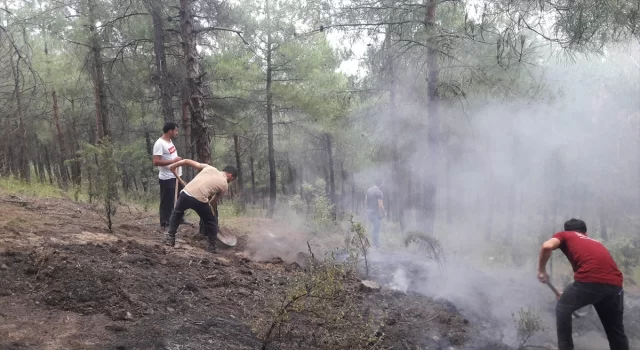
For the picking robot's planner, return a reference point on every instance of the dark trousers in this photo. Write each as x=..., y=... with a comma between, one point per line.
x=208, y=221
x=167, y=196
x=608, y=301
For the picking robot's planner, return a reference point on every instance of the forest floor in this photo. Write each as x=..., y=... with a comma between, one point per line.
x=65, y=283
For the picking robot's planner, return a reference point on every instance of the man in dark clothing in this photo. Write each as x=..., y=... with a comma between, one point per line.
x=375, y=210
x=597, y=282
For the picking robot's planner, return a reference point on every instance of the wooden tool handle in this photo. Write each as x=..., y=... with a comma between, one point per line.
x=553, y=289
x=175, y=173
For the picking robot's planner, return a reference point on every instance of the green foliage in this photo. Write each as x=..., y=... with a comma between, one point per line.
x=528, y=323
x=14, y=186
x=427, y=245
x=100, y=162
x=315, y=205
x=358, y=245
x=325, y=297
x=626, y=253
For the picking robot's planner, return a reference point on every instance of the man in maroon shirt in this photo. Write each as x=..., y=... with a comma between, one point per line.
x=597, y=282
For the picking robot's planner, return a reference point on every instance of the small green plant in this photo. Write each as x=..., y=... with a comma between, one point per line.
x=325, y=296
x=100, y=164
x=427, y=244
x=528, y=323
x=360, y=243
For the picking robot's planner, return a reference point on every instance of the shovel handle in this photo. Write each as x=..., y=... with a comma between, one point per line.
x=553, y=288
x=178, y=177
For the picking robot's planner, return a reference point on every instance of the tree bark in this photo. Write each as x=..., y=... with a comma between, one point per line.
x=100, y=94
x=39, y=162
x=433, y=115
x=61, y=142
x=76, y=169
x=154, y=6
x=149, y=145
x=239, y=180
x=332, y=176
x=47, y=163
x=253, y=181
x=292, y=176
x=21, y=139
x=270, y=146
x=194, y=83
x=186, y=123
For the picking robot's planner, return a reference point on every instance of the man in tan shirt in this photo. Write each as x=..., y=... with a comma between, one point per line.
x=206, y=188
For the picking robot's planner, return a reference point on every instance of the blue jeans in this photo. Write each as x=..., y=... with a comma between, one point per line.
x=376, y=222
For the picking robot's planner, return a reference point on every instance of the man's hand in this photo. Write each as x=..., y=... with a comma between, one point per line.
x=173, y=166
x=543, y=276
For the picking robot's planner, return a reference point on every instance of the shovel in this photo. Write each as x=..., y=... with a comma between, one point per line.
x=576, y=314
x=225, y=238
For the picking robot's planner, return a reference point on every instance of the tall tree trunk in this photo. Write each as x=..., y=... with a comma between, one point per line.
x=343, y=191
x=61, y=142
x=62, y=150
x=39, y=163
x=21, y=139
x=155, y=7
x=270, y=147
x=13, y=163
x=292, y=175
x=76, y=169
x=332, y=176
x=239, y=180
x=253, y=181
x=47, y=163
x=433, y=115
x=149, y=145
x=99, y=88
x=194, y=83
x=186, y=123
x=396, y=208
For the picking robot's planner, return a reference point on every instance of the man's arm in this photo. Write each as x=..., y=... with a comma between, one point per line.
x=158, y=161
x=157, y=156
x=189, y=162
x=381, y=207
x=545, y=254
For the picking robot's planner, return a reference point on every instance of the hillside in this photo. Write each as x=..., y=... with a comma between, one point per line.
x=67, y=284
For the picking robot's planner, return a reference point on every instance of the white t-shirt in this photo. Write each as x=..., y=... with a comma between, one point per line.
x=167, y=151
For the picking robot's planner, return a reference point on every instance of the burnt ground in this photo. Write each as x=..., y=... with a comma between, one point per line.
x=65, y=283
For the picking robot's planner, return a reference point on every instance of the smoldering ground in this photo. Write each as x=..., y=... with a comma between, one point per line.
x=510, y=171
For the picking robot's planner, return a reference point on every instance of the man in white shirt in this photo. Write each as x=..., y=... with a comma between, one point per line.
x=165, y=154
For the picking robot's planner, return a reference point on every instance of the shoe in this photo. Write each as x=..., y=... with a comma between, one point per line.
x=170, y=240
x=212, y=249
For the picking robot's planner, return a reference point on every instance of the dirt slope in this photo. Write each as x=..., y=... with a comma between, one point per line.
x=67, y=284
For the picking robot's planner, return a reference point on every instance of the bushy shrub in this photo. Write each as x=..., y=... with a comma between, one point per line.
x=626, y=253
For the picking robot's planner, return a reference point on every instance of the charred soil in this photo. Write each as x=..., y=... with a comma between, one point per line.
x=67, y=284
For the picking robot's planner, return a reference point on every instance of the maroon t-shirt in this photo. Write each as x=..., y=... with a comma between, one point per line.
x=590, y=259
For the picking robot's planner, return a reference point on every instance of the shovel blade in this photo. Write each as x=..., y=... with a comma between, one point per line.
x=227, y=239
